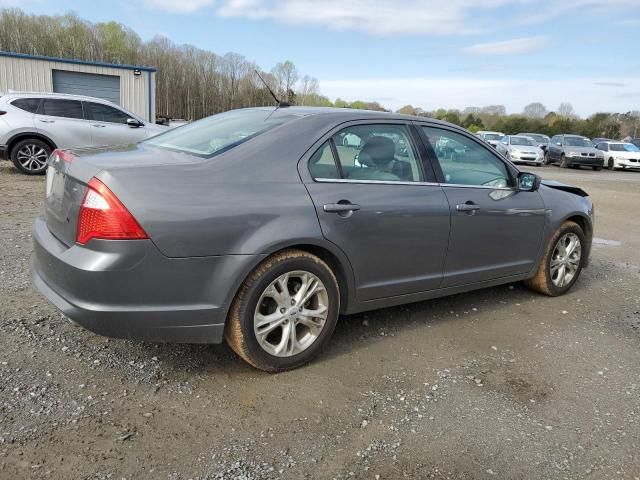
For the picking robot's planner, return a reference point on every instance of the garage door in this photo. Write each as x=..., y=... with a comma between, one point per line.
x=90, y=84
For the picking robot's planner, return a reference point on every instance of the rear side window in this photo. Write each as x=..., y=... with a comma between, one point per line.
x=27, y=104
x=322, y=164
x=62, y=108
x=104, y=113
x=379, y=152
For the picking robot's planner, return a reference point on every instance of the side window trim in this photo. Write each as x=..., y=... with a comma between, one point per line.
x=336, y=158
x=511, y=170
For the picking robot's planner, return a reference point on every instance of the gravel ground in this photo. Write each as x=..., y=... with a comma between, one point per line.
x=499, y=383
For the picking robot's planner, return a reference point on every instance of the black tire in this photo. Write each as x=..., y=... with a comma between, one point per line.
x=563, y=161
x=41, y=151
x=541, y=282
x=597, y=169
x=239, y=329
x=547, y=159
x=611, y=165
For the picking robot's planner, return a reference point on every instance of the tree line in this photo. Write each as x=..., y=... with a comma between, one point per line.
x=535, y=118
x=193, y=83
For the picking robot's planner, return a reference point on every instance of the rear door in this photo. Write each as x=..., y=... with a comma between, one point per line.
x=63, y=122
x=376, y=201
x=109, y=125
x=496, y=231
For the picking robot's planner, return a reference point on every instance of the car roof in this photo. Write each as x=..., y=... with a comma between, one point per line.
x=12, y=94
x=345, y=114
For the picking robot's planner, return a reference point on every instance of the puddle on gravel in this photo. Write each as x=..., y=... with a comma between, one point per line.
x=604, y=241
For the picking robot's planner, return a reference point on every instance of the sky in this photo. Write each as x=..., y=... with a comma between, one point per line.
x=427, y=53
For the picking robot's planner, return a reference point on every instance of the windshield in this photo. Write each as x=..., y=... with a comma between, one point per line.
x=522, y=141
x=538, y=138
x=577, y=142
x=219, y=133
x=623, y=147
x=492, y=136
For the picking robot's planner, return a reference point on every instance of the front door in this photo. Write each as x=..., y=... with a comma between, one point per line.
x=109, y=125
x=496, y=231
x=372, y=201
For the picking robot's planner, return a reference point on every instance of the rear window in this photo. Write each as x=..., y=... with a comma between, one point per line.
x=62, y=108
x=27, y=104
x=219, y=133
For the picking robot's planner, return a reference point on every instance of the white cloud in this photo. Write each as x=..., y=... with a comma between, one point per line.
x=507, y=47
x=178, y=6
x=416, y=17
x=459, y=92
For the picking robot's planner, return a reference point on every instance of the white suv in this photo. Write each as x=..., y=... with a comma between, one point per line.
x=32, y=125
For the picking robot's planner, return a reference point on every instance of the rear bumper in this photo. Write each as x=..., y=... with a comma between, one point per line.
x=587, y=161
x=128, y=289
x=4, y=152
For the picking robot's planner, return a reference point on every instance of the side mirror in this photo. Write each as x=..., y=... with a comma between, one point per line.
x=528, y=182
x=132, y=122
x=559, y=144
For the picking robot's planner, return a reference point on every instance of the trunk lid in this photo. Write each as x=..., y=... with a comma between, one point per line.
x=67, y=180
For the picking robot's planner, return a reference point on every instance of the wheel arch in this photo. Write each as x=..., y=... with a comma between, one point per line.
x=327, y=252
x=26, y=135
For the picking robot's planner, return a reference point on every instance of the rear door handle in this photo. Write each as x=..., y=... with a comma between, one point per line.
x=97, y=125
x=48, y=121
x=467, y=207
x=340, y=207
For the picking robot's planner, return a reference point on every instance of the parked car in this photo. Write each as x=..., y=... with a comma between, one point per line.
x=32, y=125
x=620, y=155
x=574, y=151
x=521, y=149
x=490, y=137
x=264, y=239
x=541, y=140
x=635, y=141
x=596, y=141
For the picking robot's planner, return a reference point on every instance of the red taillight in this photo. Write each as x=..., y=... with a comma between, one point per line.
x=103, y=216
x=64, y=156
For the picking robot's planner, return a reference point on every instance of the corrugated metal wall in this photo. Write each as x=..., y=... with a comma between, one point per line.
x=32, y=75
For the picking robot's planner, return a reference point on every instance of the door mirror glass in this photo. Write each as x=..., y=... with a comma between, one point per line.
x=528, y=182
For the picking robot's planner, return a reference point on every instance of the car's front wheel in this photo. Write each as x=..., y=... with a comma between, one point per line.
x=562, y=262
x=30, y=156
x=611, y=164
x=563, y=162
x=284, y=312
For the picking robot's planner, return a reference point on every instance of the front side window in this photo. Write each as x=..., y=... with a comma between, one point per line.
x=377, y=152
x=466, y=162
x=104, y=113
x=27, y=104
x=62, y=108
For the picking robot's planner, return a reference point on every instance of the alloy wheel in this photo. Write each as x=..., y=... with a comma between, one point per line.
x=565, y=259
x=291, y=313
x=32, y=157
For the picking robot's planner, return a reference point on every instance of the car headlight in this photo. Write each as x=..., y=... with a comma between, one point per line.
x=573, y=154
x=621, y=159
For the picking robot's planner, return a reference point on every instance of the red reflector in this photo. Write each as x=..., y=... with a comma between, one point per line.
x=103, y=216
x=64, y=156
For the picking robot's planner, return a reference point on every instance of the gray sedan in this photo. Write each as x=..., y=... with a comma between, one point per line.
x=263, y=225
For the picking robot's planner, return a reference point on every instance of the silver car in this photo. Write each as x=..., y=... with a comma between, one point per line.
x=258, y=226
x=32, y=125
x=521, y=149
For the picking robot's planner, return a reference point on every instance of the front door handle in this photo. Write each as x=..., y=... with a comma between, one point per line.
x=48, y=121
x=340, y=207
x=97, y=125
x=468, y=207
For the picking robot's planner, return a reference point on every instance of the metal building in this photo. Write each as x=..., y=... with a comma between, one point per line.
x=131, y=87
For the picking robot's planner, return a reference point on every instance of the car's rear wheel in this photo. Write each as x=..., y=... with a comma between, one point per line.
x=562, y=262
x=611, y=164
x=30, y=156
x=563, y=161
x=284, y=312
